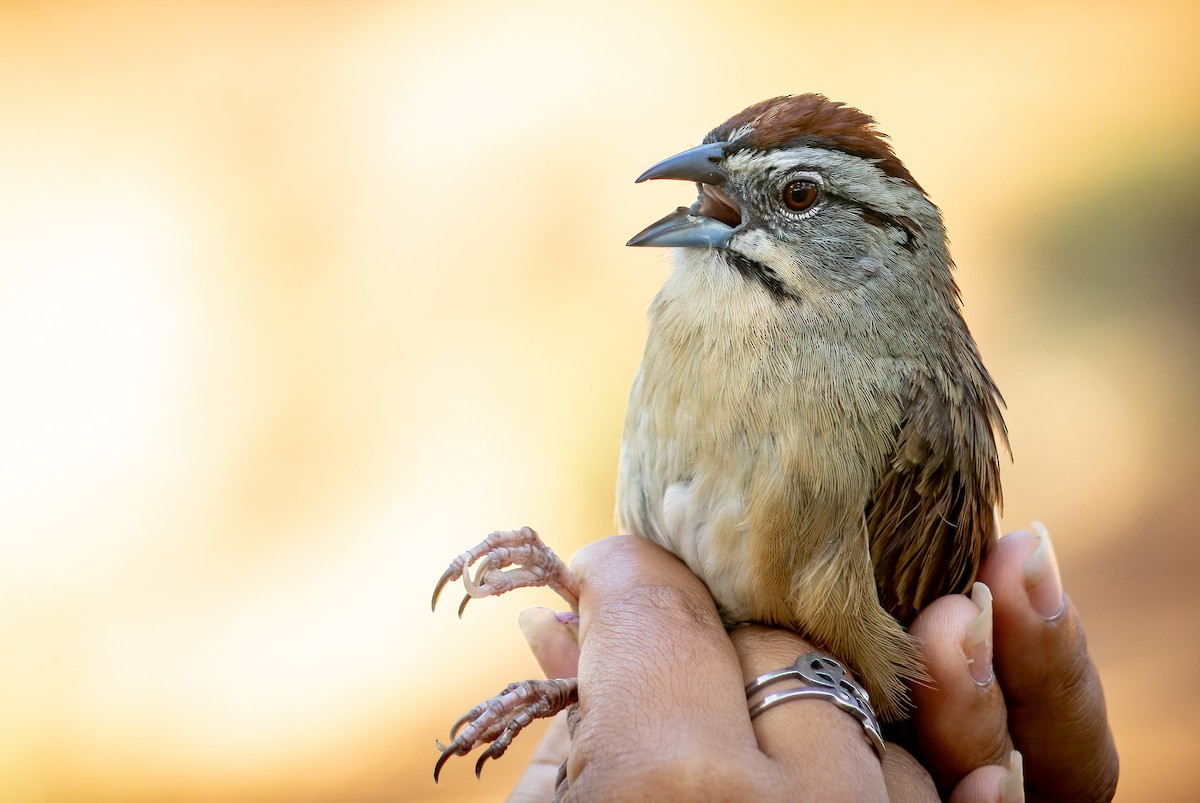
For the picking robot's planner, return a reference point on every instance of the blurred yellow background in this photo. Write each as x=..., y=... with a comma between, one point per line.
x=298, y=300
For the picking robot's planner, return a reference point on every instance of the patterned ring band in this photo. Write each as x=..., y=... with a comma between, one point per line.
x=824, y=679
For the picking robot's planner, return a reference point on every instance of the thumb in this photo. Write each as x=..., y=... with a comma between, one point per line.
x=553, y=640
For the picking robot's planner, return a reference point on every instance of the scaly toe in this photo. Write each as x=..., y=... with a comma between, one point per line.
x=463, y=720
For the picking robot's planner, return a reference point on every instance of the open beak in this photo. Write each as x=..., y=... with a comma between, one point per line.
x=710, y=221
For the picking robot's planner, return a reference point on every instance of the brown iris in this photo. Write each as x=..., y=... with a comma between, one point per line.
x=800, y=195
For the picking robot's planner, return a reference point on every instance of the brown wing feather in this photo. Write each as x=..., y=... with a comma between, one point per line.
x=930, y=522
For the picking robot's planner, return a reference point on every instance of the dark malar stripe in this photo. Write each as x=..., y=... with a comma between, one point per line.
x=754, y=270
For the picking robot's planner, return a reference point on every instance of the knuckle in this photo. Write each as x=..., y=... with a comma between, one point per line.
x=653, y=776
x=695, y=776
x=644, y=612
x=674, y=602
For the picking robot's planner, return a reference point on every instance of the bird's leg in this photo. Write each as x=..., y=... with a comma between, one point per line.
x=497, y=721
x=537, y=566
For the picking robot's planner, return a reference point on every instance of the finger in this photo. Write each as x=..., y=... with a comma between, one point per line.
x=553, y=640
x=907, y=781
x=655, y=660
x=537, y=783
x=793, y=732
x=960, y=718
x=1056, y=711
x=992, y=784
x=821, y=746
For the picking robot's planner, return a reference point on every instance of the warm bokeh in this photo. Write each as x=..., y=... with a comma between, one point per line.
x=297, y=300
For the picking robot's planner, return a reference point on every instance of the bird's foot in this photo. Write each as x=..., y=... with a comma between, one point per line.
x=496, y=721
x=537, y=566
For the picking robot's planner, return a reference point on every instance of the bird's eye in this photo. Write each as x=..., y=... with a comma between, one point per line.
x=801, y=194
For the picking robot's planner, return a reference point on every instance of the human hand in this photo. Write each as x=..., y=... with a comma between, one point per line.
x=1032, y=685
x=663, y=710
x=662, y=686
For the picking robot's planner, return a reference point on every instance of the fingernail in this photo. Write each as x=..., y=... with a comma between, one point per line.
x=1043, y=583
x=977, y=644
x=570, y=622
x=1012, y=787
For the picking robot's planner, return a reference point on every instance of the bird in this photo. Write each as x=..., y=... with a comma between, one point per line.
x=812, y=430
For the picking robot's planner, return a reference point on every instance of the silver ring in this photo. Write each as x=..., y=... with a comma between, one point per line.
x=824, y=679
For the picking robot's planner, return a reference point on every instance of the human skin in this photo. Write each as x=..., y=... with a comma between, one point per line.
x=663, y=710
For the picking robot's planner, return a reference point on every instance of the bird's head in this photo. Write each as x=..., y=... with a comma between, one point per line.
x=804, y=196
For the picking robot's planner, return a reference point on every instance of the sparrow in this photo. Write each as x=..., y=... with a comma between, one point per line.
x=812, y=429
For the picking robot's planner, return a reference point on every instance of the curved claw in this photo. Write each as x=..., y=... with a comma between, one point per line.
x=483, y=759
x=463, y=720
x=441, y=762
x=494, y=723
x=462, y=606
x=473, y=584
x=437, y=590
